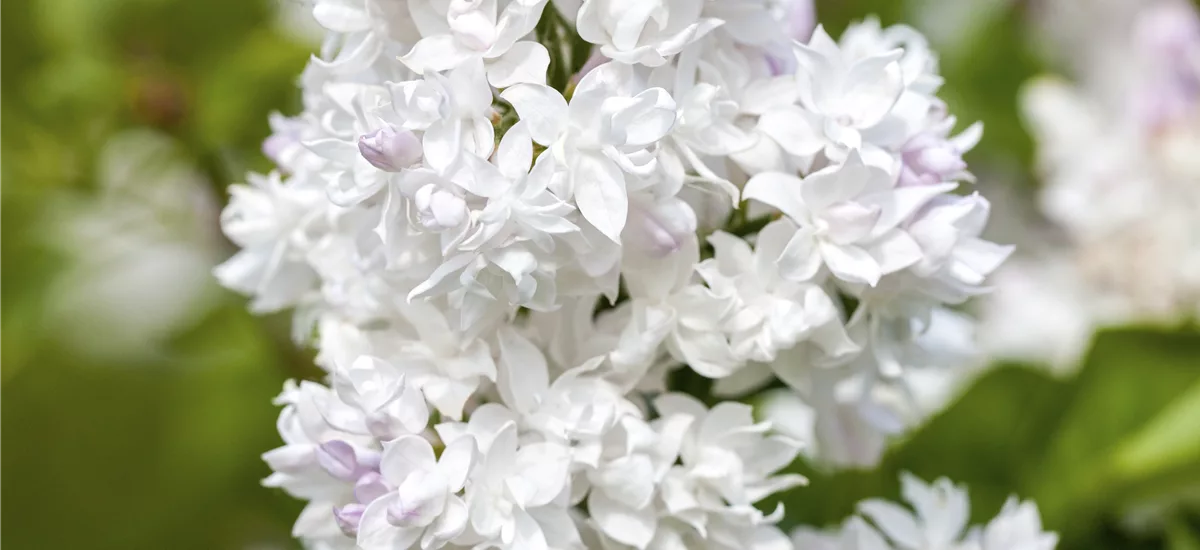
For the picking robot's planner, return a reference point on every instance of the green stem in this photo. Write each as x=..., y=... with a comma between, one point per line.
x=744, y=228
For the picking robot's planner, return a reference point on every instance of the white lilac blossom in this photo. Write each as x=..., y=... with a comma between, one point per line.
x=935, y=519
x=454, y=32
x=508, y=273
x=646, y=33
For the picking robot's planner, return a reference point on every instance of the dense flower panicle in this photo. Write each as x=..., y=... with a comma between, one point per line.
x=507, y=271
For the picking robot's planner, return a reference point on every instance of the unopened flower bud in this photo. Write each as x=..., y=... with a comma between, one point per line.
x=276, y=145
x=384, y=425
x=338, y=459
x=942, y=160
x=390, y=149
x=928, y=161
x=342, y=461
x=370, y=487
x=348, y=517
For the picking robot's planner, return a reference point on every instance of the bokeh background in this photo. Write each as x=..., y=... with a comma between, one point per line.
x=136, y=393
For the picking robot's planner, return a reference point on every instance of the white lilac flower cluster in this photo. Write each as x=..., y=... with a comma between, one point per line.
x=516, y=274
x=1120, y=180
x=937, y=520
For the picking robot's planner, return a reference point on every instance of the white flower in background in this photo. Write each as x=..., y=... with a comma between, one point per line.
x=937, y=521
x=1056, y=332
x=137, y=250
x=1122, y=200
x=1017, y=526
x=473, y=249
x=854, y=534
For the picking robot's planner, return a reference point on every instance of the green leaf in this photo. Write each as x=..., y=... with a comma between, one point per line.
x=152, y=456
x=237, y=93
x=1128, y=379
x=1001, y=421
x=1169, y=441
x=1125, y=430
x=1181, y=536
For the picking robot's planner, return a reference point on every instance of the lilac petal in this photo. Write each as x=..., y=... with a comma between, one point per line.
x=338, y=459
x=348, y=517
x=370, y=487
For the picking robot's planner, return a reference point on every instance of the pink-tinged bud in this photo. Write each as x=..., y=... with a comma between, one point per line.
x=348, y=517
x=390, y=149
x=941, y=160
x=928, y=160
x=340, y=460
x=800, y=18
x=370, y=487
x=276, y=145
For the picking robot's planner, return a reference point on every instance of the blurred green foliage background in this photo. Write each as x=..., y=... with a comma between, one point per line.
x=154, y=443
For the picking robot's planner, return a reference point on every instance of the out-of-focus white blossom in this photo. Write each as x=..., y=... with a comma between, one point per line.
x=937, y=520
x=1114, y=182
x=132, y=250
